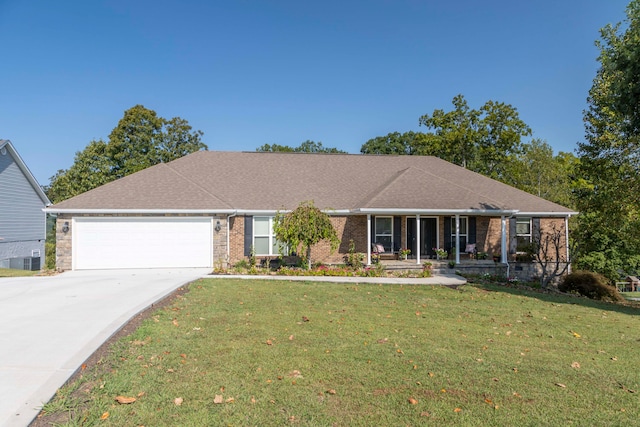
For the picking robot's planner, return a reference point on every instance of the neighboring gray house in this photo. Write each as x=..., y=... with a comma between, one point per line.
x=22, y=219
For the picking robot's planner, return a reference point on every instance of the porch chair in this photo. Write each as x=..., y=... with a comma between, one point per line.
x=471, y=250
x=377, y=249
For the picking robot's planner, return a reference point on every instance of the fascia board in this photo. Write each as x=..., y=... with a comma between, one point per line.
x=477, y=212
x=139, y=211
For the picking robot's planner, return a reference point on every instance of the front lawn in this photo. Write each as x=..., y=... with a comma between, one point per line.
x=243, y=352
x=11, y=272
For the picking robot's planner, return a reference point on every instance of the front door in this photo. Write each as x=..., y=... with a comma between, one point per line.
x=428, y=236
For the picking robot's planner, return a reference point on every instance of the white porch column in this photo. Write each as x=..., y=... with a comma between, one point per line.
x=368, y=239
x=418, y=239
x=457, y=239
x=566, y=238
x=503, y=240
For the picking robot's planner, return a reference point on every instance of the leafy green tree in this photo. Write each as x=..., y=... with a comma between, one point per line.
x=141, y=139
x=305, y=226
x=537, y=171
x=483, y=140
x=416, y=143
x=306, y=147
x=609, y=226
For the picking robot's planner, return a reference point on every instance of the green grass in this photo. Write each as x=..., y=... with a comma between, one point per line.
x=630, y=294
x=10, y=272
x=478, y=355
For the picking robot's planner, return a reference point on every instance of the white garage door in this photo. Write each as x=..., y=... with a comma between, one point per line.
x=146, y=242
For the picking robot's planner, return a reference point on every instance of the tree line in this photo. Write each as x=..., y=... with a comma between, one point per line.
x=601, y=181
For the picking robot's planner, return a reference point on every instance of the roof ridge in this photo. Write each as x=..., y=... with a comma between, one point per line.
x=197, y=185
x=376, y=191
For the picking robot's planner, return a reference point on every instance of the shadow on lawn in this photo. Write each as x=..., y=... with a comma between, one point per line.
x=627, y=307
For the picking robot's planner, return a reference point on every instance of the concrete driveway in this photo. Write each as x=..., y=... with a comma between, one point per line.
x=51, y=325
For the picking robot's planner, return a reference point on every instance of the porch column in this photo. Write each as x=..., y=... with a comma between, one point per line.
x=503, y=239
x=418, y=239
x=457, y=238
x=368, y=239
x=566, y=238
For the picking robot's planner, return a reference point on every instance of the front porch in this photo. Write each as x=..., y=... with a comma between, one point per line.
x=464, y=267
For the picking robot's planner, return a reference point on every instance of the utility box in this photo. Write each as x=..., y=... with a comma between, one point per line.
x=27, y=263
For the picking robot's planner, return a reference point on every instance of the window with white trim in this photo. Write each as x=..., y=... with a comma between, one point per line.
x=523, y=233
x=384, y=232
x=464, y=232
x=264, y=240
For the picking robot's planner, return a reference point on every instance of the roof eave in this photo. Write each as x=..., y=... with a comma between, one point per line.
x=138, y=211
x=400, y=211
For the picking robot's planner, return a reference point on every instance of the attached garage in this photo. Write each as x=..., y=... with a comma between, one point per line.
x=142, y=242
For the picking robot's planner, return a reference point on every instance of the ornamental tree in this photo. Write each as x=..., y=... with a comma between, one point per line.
x=305, y=226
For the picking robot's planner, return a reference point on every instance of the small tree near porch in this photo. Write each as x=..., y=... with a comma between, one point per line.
x=548, y=252
x=306, y=225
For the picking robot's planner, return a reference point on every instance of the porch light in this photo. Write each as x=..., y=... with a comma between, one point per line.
x=65, y=227
x=218, y=226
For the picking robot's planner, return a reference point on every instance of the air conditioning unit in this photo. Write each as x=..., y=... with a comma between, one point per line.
x=27, y=263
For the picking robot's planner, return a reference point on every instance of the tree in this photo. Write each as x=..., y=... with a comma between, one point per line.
x=548, y=248
x=483, y=140
x=537, y=171
x=410, y=143
x=306, y=147
x=305, y=226
x=609, y=226
x=141, y=139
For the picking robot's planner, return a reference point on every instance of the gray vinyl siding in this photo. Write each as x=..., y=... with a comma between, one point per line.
x=21, y=215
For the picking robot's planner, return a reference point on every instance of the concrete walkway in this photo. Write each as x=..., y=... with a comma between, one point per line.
x=51, y=325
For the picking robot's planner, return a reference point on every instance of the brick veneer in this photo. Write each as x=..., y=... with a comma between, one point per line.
x=351, y=227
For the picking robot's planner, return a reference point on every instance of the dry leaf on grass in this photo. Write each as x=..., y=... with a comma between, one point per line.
x=331, y=391
x=413, y=401
x=218, y=399
x=178, y=401
x=561, y=385
x=269, y=342
x=104, y=416
x=295, y=374
x=124, y=400
x=575, y=365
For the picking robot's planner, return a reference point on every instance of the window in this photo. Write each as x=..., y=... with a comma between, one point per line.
x=264, y=241
x=464, y=232
x=384, y=232
x=523, y=233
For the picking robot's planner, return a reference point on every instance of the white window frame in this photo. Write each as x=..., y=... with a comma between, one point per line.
x=529, y=235
x=463, y=232
x=390, y=235
x=271, y=236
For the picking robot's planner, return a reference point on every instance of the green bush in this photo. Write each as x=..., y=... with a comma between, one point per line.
x=591, y=285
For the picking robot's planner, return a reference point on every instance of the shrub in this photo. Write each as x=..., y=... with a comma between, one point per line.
x=591, y=285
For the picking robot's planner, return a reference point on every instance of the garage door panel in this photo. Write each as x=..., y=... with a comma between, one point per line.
x=142, y=242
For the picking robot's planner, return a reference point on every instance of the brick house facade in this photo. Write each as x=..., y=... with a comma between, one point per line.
x=206, y=209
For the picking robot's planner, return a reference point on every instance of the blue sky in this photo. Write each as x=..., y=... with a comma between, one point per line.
x=248, y=73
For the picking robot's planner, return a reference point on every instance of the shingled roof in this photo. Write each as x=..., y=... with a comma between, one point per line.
x=217, y=181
